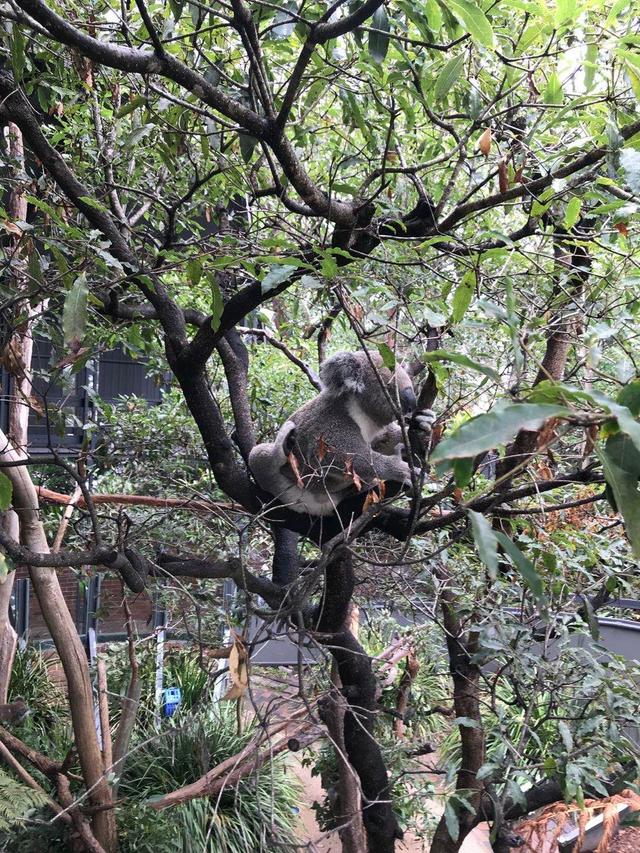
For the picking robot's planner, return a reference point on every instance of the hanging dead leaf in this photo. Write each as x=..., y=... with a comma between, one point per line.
x=321, y=452
x=73, y=356
x=590, y=437
x=373, y=498
x=484, y=143
x=503, y=177
x=11, y=358
x=12, y=228
x=293, y=463
x=238, y=672
x=36, y=405
x=622, y=228
x=548, y=433
x=351, y=474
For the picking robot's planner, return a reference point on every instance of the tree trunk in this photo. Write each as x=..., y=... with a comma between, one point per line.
x=8, y=637
x=466, y=702
x=69, y=648
x=19, y=363
x=359, y=689
x=347, y=811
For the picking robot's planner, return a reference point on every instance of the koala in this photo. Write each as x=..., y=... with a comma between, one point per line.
x=344, y=441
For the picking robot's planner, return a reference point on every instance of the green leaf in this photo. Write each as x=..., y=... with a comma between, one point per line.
x=620, y=460
x=592, y=622
x=18, y=44
x=626, y=422
x=6, y=492
x=462, y=472
x=462, y=360
x=462, y=296
x=130, y=106
x=137, y=135
x=434, y=15
x=176, y=7
x=194, y=271
x=6, y=566
x=46, y=208
x=378, y=42
x=524, y=566
x=276, y=275
x=495, y=428
x=74, y=312
x=217, y=304
x=452, y=822
x=553, y=93
x=572, y=213
x=466, y=722
x=633, y=75
x=328, y=266
x=247, y=144
x=388, y=358
x=474, y=19
x=486, y=541
x=629, y=396
x=565, y=734
x=448, y=77
x=34, y=267
x=590, y=65
x=566, y=11
x=93, y=203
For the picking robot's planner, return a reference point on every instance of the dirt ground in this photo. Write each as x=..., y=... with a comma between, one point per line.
x=626, y=841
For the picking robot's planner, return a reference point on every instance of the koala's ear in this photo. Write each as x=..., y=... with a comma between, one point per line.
x=343, y=373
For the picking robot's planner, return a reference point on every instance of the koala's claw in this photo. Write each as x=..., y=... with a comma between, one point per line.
x=423, y=419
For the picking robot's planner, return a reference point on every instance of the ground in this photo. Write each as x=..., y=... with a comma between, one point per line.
x=626, y=841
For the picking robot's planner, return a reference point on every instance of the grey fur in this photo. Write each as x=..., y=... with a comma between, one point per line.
x=345, y=440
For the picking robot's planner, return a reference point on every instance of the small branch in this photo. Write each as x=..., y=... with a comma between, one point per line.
x=232, y=770
x=193, y=504
x=293, y=358
x=153, y=35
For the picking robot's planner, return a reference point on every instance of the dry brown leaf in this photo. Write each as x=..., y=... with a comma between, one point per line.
x=238, y=672
x=484, y=143
x=293, y=463
x=373, y=497
x=348, y=467
x=12, y=228
x=503, y=177
x=73, y=356
x=322, y=448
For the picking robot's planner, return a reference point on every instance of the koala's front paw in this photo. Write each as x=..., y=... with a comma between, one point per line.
x=423, y=420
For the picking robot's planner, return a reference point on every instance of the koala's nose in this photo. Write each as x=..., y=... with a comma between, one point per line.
x=408, y=400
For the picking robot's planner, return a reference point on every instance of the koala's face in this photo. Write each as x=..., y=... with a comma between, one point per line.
x=352, y=373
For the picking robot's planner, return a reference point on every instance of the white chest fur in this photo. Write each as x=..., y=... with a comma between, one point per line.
x=368, y=427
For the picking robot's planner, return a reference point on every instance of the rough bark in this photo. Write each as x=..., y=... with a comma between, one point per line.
x=8, y=636
x=466, y=701
x=573, y=263
x=359, y=689
x=18, y=361
x=347, y=810
x=69, y=648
